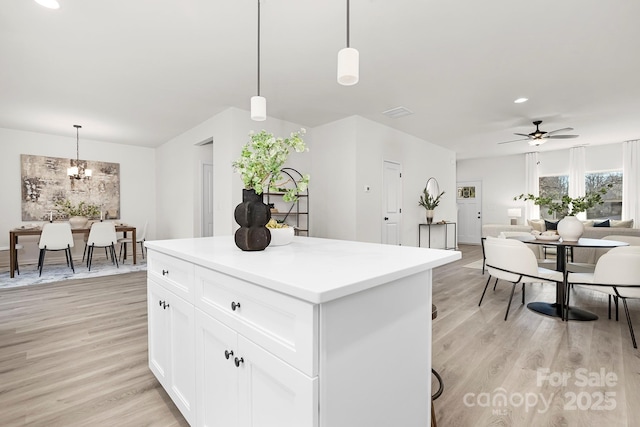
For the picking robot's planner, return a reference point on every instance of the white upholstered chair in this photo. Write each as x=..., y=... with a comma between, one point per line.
x=617, y=273
x=8, y=248
x=583, y=267
x=56, y=236
x=140, y=238
x=511, y=260
x=102, y=235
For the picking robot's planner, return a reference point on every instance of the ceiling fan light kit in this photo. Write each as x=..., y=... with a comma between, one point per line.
x=539, y=137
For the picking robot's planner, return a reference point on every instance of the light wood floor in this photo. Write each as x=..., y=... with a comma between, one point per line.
x=75, y=354
x=482, y=357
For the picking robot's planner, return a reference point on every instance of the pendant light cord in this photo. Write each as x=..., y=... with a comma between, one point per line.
x=348, y=23
x=259, y=47
x=77, y=143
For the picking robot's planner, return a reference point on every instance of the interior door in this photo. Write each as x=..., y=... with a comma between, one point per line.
x=469, y=201
x=392, y=203
x=207, y=200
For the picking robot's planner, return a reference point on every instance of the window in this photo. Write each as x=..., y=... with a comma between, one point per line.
x=612, y=207
x=554, y=187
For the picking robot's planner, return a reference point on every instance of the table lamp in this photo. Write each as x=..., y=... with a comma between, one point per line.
x=514, y=214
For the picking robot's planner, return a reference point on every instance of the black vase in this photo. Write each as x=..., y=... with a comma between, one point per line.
x=252, y=216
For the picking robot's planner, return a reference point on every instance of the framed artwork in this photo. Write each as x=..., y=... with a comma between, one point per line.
x=44, y=180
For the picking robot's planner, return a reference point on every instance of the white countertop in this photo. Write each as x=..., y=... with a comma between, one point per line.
x=312, y=269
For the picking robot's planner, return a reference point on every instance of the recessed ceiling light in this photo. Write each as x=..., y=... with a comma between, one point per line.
x=50, y=4
x=521, y=100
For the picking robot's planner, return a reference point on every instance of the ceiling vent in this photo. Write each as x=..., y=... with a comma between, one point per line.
x=396, y=113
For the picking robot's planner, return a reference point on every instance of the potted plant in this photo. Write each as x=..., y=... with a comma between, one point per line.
x=569, y=227
x=429, y=202
x=78, y=214
x=262, y=159
x=259, y=166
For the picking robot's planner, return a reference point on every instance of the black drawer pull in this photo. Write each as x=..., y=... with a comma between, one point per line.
x=165, y=272
x=228, y=354
x=235, y=305
x=238, y=361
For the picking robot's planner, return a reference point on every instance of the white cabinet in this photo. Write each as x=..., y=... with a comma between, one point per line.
x=241, y=384
x=339, y=337
x=172, y=345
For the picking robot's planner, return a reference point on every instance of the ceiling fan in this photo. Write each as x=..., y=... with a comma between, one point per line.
x=539, y=137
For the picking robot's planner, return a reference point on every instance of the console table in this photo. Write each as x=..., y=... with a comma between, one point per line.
x=446, y=234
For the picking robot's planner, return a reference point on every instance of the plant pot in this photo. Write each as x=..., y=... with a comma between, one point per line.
x=429, y=214
x=570, y=228
x=78, y=221
x=281, y=236
x=252, y=215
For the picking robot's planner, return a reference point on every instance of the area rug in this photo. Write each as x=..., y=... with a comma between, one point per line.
x=475, y=264
x=59, y=271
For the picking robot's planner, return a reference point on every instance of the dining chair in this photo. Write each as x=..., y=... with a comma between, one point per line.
x=588, y=267
x=55, y=236
x=102, y=235
x=8, y=248
x=511, y=260
x=140, y=238
x=617, y=273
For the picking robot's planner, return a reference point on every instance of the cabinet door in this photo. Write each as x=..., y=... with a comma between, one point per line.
x=182, y=354
x=272, y=392
x=217, y=380
x=158, y=338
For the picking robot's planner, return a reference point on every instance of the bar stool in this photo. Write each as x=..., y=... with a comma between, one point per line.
x=434, y=314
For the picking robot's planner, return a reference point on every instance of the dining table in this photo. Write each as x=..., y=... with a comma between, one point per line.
x=556, y=308
x=18, y=232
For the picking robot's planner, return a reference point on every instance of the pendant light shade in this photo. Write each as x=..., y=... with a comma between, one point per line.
x=258, y=103
x=258, y=108
x=348, y=66
x=348, y=60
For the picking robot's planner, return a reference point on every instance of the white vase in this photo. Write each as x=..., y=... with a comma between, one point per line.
x=78, y=221
x=570, y=228
x=429, y=216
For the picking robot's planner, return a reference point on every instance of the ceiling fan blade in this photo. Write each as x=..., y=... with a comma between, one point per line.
x=515, y=140
x=522, y=134
x=559, y=130
x=562, y=136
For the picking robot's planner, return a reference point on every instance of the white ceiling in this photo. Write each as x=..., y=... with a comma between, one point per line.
x=143, y=71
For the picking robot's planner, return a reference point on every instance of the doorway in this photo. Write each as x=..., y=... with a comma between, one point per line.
x=207, y=200
x=469, y=202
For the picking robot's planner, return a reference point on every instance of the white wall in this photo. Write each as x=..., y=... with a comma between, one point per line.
x=179, y=178
x=349, y=154
x=503, y=177
x=137, y=178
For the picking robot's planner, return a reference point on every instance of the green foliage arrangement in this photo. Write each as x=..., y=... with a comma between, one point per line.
x=567, y=205
x=429, y=202
x=81, y=209
x=262, y=159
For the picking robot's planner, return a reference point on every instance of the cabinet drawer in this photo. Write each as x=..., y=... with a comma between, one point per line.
x=283, y=325
x=172, y=273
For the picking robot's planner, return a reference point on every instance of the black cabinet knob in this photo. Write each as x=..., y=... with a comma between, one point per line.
x=165, y=272
x=228, y=354
x=238, y=361
x=235, y=305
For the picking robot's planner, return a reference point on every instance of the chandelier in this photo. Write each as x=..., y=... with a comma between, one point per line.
x=75, y=171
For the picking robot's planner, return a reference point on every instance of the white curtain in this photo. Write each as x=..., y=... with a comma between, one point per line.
x=532, y=185
x=576, y=175
x=631, y=181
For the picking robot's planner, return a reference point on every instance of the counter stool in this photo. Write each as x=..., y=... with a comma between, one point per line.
x=434, y=314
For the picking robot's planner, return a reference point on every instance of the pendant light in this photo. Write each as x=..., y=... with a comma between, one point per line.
x=348, y=62
x=258, y=103
x=74, y=171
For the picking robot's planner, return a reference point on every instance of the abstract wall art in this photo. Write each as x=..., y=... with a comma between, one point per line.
x=44, y=180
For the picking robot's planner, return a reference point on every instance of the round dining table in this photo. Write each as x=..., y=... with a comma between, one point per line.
x=555, y=309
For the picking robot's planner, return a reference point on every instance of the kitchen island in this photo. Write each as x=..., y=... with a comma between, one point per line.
x=319, y=332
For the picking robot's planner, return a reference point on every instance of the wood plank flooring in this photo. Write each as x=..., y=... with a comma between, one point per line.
x=74, y=353
x=499, y=373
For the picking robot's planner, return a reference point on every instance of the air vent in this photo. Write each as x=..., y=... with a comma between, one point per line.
x=397, y=112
